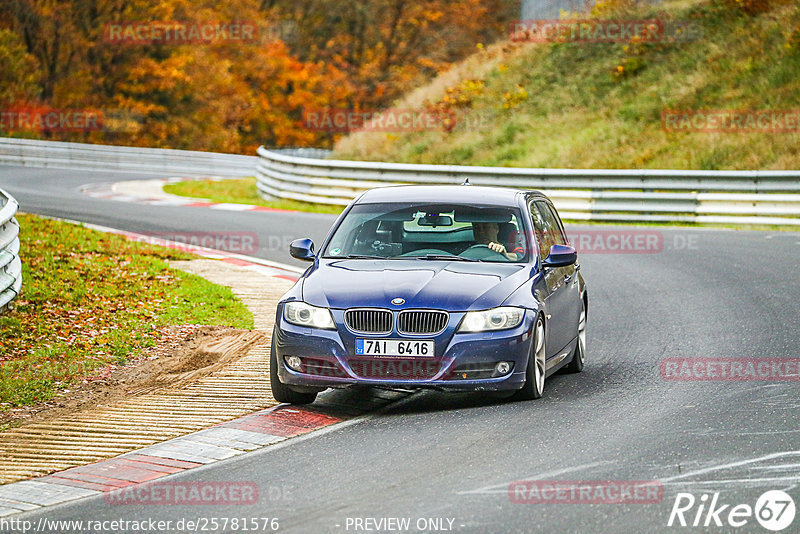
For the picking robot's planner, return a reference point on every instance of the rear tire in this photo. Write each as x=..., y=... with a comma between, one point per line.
x=281, y=391
x=579, y=356
x=535, y=372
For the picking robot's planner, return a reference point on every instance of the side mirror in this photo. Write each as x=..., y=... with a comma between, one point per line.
x=561, y=256
x=302, y=249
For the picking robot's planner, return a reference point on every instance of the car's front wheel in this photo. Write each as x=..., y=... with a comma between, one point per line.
x=535, y=372
x=281, y=391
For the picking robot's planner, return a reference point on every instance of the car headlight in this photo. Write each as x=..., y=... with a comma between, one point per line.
x=494, y=319
x=303, y=314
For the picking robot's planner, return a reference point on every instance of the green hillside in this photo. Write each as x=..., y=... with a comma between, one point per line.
x=599, y=105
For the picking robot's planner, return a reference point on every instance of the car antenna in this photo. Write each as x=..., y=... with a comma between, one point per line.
x=466, y=181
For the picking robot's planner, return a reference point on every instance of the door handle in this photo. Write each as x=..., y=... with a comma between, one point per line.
x=567, y=278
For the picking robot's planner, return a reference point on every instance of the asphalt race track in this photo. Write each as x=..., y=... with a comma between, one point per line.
x=702, y=294
x=56, y=193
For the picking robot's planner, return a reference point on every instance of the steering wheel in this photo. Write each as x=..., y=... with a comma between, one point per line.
x=481, y=252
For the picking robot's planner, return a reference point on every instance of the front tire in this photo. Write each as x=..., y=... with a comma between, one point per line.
x=281, y=391
x=535, y=372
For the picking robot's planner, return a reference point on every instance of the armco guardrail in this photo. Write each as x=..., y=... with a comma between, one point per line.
x=722, y=197
x=163, y=162
x=10, y=264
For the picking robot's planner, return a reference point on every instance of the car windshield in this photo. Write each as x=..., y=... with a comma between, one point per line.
x=439, y=231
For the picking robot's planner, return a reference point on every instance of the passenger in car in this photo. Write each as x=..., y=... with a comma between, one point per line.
x=486, y=233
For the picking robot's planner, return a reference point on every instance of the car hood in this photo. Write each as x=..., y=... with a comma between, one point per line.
x=452, y=286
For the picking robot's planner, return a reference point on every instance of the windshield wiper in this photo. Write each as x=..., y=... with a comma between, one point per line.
x=445, y=257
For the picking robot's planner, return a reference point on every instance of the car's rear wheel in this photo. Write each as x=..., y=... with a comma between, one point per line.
x=579, y=356
x=281, y=391
x=535, y=372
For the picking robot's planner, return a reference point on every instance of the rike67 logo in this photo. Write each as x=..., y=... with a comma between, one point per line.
x=774, y=510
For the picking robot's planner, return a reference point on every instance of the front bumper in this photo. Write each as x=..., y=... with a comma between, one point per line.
x=461, y=362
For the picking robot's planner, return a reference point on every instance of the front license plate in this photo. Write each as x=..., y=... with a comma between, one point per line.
x=394, y=347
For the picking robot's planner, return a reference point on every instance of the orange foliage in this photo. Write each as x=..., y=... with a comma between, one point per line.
x=230, y=95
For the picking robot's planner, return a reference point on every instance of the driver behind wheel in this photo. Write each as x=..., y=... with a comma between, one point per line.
x=485, y=233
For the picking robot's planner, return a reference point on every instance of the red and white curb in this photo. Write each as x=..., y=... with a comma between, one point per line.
x=208, y=446
x=151, y=192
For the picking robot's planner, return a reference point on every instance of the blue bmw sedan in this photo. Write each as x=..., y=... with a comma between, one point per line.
x=447, y=287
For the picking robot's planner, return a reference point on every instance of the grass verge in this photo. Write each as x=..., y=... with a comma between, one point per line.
x=241, y=191
x=599, y=105
x=91, y=300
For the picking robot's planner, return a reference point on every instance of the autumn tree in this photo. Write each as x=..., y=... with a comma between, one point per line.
x=19, y=71
x=231, y=96
x=387, y=46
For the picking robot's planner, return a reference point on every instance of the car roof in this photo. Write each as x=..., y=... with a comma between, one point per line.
x=457, y=194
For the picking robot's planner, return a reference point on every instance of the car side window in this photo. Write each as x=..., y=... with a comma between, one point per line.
x=544, y=235
x=554, y=223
